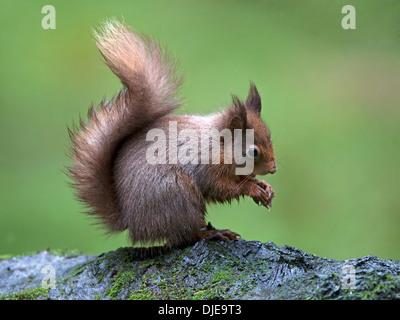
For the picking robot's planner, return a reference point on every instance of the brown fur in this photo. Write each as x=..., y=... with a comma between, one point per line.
x=164, y=202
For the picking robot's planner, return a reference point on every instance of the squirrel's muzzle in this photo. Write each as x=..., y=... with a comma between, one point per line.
x=272, y=167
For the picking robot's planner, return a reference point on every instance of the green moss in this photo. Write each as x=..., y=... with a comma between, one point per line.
x=28, y=294
x=143, y=293
x=375, y=287
x=122, y=280
x=150, y=262
x=369, y=286
x=156, y=279
x=222, y=276
x=213, y=272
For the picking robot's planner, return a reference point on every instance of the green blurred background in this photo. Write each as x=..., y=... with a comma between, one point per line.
x=331, y=98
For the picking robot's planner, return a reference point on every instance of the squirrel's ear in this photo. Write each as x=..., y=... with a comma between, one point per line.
x=237, y=115
x=253, y=101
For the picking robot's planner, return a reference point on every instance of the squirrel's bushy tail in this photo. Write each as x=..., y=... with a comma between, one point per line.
x=149, y=92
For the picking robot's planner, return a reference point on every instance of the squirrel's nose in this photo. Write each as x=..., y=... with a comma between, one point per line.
x=272, y=170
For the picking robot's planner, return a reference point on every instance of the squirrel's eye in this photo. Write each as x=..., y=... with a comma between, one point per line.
x=253, y=152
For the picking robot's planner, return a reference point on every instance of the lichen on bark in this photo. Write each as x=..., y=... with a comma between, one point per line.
x=208, y=270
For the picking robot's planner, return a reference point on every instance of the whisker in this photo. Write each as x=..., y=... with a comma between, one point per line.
x=243, y=181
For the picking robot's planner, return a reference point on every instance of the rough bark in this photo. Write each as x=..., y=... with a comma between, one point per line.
x=208, y=270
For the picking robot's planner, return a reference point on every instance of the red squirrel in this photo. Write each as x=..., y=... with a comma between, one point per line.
x=166, y=202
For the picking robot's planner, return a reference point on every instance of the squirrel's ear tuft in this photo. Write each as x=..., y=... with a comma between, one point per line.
x=237, y=115
x=253, y=101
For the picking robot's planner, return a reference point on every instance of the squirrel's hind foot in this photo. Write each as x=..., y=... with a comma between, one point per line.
x=209, y=233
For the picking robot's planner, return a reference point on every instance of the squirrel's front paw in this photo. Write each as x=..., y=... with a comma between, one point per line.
x=263, y=194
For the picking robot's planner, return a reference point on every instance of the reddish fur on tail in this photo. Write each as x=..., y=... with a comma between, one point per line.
x=149, y=93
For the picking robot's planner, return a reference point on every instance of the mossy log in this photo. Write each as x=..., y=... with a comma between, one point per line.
x=208, y=270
